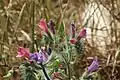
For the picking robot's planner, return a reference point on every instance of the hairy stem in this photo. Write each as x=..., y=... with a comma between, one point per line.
x=45, y=73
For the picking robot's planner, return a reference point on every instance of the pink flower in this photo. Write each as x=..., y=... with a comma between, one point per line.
x=23, y=52
x=73, y=41
x=56, y=76
x=43, y=25
x=82, y=34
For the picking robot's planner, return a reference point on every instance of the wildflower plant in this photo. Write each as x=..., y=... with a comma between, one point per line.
x=54, y=54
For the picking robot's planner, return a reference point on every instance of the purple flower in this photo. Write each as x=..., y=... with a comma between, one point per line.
x=73, y=30
x=51, y=26
x=39, y=57
x=94, y=66
x=36, y=57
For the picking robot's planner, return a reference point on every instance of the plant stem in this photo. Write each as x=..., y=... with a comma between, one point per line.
x=45, y=73
x=68, y=68
x=32, y=19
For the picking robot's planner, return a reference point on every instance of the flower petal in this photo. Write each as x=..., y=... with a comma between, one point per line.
x=73, y=41
x=43, y=25
x=82, y=34
x=94, y=66
x=23, y=52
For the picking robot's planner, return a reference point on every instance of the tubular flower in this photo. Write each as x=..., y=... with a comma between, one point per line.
x=51, y=26
x=39, y=57
x=43, y=25
x=82, y=34
x=73, y=41
x=23, y=52
x=94, y=66
x=36, y=57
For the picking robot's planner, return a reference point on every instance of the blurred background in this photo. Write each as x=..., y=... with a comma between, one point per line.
x=101, y=18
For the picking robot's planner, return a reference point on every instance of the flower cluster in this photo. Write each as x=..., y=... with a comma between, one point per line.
x=39, y=57
x=43, y=55
x=82, y=34
x=44, y=26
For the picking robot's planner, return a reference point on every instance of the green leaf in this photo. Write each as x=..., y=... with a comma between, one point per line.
x=55, y=63
x=62, y=30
